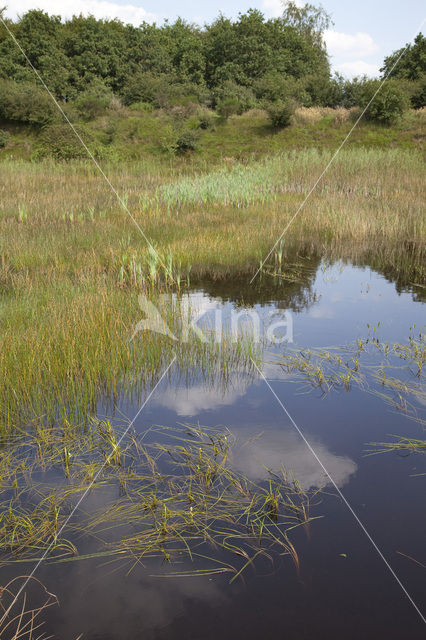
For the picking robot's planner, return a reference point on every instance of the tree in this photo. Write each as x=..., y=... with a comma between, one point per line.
x=310, y=20
x=408, y=62
x=387, y=105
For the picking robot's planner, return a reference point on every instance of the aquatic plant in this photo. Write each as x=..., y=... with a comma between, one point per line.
x=18, y=619
x=356, y=364
x=171, y=497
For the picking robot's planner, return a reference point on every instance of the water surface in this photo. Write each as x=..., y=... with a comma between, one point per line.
x=343, y=589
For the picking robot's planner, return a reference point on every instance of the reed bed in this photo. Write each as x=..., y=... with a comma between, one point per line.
x=79, y=345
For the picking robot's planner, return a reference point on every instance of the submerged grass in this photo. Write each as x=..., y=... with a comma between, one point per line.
x=398, y=379
x=170, y=494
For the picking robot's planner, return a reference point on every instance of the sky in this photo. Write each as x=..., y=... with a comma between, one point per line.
x=363, y=33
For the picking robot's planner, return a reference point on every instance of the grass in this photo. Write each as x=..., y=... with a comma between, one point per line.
x=130, y=134
x=72, y=263
x=19, y=620
x=405, y=446
x=398, y=378
x=170, y=494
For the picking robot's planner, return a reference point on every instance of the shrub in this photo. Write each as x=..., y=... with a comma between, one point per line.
x=26, y=103
x=181, y=112
x=280, y=112
x=230, y=98
x=418, y=95
x=188, y=140
x=206, y=118
x=228, y=107
x=4, y=138
x=162, y=90
x=94, y=101
x=60, y=142
x=147, y=107
x=389, y=103
x=306, y=91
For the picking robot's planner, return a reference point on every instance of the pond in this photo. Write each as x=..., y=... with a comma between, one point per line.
x=348, y=377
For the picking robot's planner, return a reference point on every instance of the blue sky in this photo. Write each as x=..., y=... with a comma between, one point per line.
x=364, y=32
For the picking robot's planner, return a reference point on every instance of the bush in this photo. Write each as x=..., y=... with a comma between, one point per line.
x=26, y=103
x=388, y=105
x=188, y=140
x=231, y=98
x=276, y=86
x=4, y=138
x=162, y=90
x=418, y=95
x=280, y=112
x=228, y=107
x=60, y=142
x=94, y=101
x=206, y=118
x=147, y=107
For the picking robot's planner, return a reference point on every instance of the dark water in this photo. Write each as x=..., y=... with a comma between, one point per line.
x=343, y=589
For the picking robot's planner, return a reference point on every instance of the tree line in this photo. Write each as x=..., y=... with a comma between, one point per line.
x=228, y=65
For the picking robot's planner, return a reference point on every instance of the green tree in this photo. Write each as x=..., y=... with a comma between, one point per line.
x=25, y=102
x=387, y=105
x=408, y=62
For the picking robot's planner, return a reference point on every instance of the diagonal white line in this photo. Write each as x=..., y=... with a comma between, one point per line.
x=89, y=153
x=300, y=432
x=336, y=153
x=41, y=560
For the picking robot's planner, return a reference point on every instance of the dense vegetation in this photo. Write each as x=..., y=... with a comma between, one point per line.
x=225, y=68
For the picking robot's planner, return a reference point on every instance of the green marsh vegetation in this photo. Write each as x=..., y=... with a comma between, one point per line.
x=393, y=371
x=170, y=494
x=73, y=263
x=404, y=446
x=212, y=171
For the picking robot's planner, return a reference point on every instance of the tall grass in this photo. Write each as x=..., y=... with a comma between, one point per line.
x=72, y=262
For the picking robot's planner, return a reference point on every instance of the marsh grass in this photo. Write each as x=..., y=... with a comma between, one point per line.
x=392, y=371
x=19, y=619
x=75, y=348
x=169, y=494
x=403, y=446
x=72, y=263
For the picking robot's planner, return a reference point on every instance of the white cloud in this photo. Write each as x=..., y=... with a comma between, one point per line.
x=350, y=45
x=280, y=449
x=193, y=400
x=358, y=68
x=128, y=13
x=275, y=8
